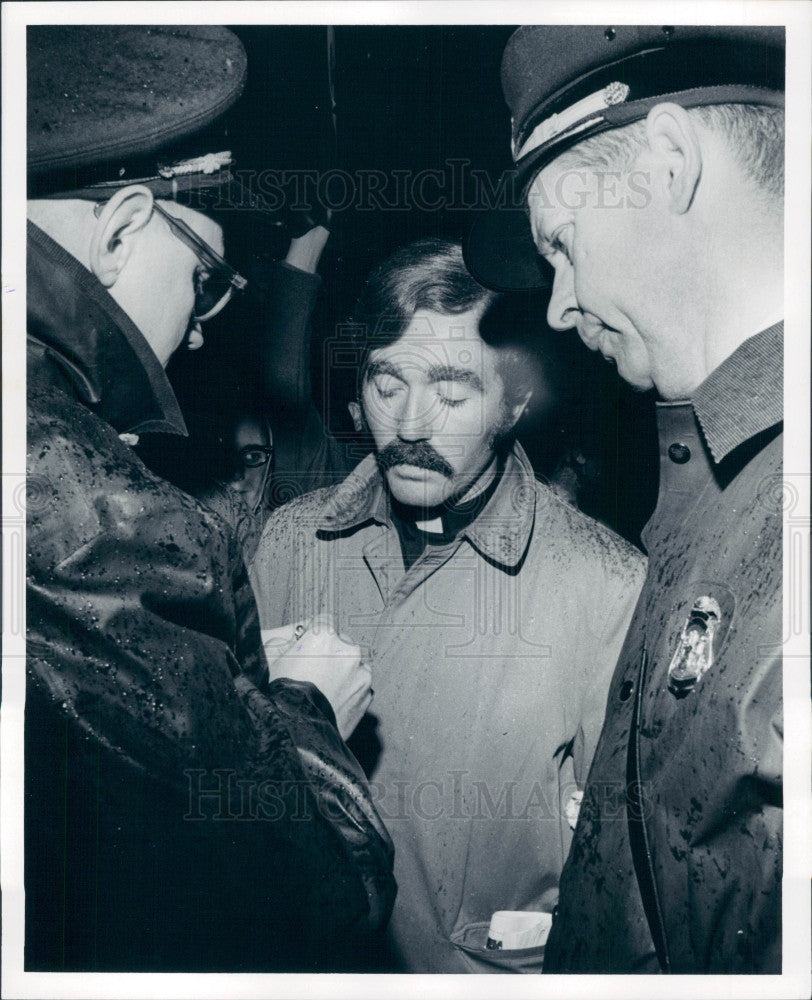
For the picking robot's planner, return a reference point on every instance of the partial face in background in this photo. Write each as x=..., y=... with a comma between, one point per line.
x=434, y=404
x=252, y=459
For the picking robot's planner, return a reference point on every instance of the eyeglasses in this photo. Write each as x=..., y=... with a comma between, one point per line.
x=254, y=455
x=215, y=279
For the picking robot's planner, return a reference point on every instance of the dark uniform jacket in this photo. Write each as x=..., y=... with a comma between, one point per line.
x=181, y=813
x=676, y=861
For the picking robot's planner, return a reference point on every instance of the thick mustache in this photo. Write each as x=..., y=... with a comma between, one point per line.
x=418, y=453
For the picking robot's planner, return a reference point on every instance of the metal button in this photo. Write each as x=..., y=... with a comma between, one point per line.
x=679, y=453
x=626, y=689
x=609, y=34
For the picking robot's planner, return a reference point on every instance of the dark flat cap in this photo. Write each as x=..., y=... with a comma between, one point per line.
x=101, y=93
x=110, y=105
x=566, y=83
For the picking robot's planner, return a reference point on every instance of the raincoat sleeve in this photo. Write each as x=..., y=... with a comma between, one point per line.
x=164, y=775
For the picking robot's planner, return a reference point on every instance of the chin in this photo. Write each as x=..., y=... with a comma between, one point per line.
x=638, y=383
x=639, y=379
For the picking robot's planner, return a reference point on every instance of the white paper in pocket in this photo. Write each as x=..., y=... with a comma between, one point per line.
x=512, y=929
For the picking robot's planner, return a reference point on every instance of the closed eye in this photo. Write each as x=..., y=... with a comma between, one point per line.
x=386, y=385
x=449, y=395
x=557, y=245
x=454, y=386
x=549, y=247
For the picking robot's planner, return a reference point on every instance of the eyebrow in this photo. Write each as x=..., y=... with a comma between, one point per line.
x=543, y=243
x=434, y=374
x=383, y=368
x=448, y=373
x=541, y=240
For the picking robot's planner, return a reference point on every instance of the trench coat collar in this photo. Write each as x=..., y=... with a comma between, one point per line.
x=106, y=358
x=744, y=395
x=501, y=532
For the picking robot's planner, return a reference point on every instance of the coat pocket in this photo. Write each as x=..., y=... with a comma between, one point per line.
x=470, y=940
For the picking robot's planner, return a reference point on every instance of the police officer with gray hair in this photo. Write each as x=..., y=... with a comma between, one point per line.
x=649, y=173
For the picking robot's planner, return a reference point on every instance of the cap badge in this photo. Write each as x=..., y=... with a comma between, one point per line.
x=209, y=163
x=564, y=121
x=694, y=654
x=615, y=93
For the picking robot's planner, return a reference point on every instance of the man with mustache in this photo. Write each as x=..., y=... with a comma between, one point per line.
x=650, y=161
x=491, y=612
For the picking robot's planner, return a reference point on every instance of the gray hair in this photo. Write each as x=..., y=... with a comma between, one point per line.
x=754, y=133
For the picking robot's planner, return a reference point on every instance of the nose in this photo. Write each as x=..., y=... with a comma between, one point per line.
x=562, y=311
x=415, y=419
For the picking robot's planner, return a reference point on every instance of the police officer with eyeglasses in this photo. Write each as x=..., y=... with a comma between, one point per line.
x=165, y=757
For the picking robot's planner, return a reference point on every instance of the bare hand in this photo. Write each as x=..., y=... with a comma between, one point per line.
x=305, y=251
x=313, y=651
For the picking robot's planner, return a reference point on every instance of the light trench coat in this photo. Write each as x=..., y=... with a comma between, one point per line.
x=491, y=659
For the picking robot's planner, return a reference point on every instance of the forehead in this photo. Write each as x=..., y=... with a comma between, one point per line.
x=433, y=339
x=554, y=196
x=250, y=430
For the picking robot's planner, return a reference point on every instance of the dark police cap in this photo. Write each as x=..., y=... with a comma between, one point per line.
x=567, y=83
x=111, y=105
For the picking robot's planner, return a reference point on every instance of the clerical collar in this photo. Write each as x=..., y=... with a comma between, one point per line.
x=455, y=519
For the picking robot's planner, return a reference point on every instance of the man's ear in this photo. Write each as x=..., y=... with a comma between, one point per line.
x=516, y=411
x=120, y=221
x=357, y=416
x=675, y=145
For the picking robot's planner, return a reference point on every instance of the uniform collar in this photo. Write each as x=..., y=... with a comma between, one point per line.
x=108, y=361
x=744, y=395
x=501, y=532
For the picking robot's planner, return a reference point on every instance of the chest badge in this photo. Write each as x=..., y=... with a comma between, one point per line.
x=694, y=653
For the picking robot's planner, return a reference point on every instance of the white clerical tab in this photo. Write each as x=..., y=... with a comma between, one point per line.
x=612, y=93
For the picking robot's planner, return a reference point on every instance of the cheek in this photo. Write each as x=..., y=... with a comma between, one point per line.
x=185, y=292
x=470, y=442
x=378, y=418
x=178, y=289
x=603, y=246
x=255, y=477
